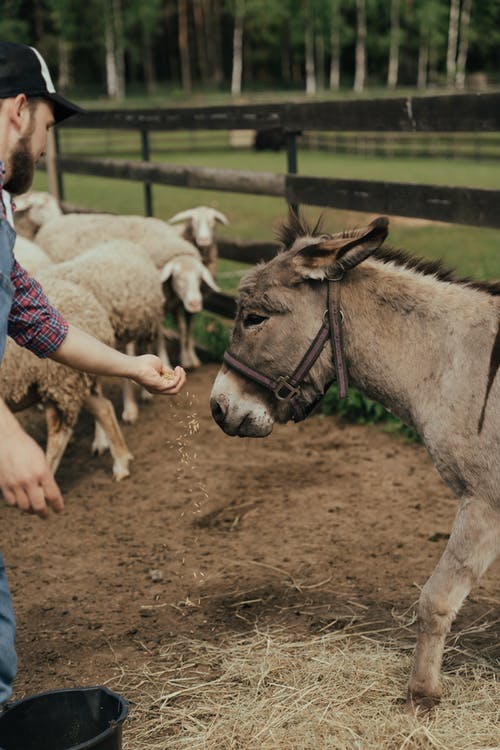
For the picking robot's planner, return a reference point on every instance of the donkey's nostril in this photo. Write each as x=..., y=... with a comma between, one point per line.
x=218, y=411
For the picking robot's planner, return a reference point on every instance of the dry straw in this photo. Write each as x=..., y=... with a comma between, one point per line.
x=338, y=691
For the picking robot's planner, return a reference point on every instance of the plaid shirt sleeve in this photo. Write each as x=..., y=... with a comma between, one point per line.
x=33, y=322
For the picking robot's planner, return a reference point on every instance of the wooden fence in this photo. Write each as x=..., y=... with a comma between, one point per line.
x=478, y=113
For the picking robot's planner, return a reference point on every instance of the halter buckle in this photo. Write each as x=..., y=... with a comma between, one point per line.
x=283, y=390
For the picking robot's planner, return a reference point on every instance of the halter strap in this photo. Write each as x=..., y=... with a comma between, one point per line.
x=287, y=387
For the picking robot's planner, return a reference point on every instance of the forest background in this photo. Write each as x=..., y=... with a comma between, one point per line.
x=174, y=48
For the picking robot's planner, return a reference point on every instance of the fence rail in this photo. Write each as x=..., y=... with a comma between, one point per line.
x=474, y=206
x=477, y=112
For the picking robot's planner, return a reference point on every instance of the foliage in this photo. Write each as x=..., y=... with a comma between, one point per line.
x=274, y=43
x=359, y=409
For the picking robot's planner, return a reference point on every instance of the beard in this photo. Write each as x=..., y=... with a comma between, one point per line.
x=22, y=166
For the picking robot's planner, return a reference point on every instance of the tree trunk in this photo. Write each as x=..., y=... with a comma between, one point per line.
x=392, y=73
x=239, y=17
x=216, y=39
x=38, y=17
x=335, y=43
x=65, y=78
x=423, y=62
x=172, y=41
x=109, y=43
x=148, y=63
x=464, y=44
x=360, y=74
x=309, y=44
x=200, y=23
x=320, y=61
x=184, y=47
x=451, y=56
x=119, y=47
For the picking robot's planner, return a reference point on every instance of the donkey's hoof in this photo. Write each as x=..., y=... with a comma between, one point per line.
x=419, y=702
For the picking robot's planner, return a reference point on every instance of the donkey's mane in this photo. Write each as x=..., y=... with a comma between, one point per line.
x=298, y=227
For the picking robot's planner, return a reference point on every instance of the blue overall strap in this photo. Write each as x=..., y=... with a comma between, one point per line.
x=7, y=239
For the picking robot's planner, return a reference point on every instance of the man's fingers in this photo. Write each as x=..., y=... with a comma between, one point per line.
x=36, y=497
x=21, y=498
x=52, y=493
x=9, y=496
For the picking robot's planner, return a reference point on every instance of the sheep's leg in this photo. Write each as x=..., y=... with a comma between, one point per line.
x=130, y=411
x=102, y=409
x=58, y=435
x=162, y=348
x=473, y=545
x=101, y=442
x=188, y=357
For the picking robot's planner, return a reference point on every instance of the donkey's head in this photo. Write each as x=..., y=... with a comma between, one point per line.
x=281, y=306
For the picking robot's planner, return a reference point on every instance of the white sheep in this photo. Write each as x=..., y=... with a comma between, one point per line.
x=177, y=260
x=25, y=379
x=198, y=227
x=33, y=210
x=127, y=284
x=30, y=255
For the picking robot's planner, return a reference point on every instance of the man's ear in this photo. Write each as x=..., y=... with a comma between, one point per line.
x=334, y=255
x=18, y=110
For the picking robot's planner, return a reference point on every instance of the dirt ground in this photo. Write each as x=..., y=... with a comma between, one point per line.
x=318, y=525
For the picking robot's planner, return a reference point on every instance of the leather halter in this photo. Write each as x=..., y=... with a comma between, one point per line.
x=287, y=387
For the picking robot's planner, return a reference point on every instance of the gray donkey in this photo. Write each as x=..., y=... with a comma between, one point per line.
x=424, y=344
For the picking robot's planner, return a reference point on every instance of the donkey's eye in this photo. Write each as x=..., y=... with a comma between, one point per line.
x=252, y=319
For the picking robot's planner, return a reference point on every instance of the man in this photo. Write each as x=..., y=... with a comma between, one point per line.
x=29, y=106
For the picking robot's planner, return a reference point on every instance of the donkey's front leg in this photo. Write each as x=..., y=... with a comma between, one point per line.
x=473, y=545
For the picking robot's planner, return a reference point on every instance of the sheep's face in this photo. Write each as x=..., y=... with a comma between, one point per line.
x=200, y=224
x=187, y=276
x=203, y=228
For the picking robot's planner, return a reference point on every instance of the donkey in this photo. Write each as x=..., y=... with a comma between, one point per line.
x=423, y=343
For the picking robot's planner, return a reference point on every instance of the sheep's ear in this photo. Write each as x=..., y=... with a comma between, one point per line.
x=220, y=217
x=167, y=271
x=209, y=279
x=334, y=255
x=181, y=216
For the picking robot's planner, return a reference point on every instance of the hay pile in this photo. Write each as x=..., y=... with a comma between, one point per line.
x=338, y=691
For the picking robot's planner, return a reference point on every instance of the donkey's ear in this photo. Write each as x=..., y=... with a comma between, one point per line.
x=341, y=252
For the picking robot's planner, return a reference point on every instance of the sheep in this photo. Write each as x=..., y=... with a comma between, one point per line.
x=30, y=255
x=126, y=283
x=198, y=227
x=33, y=210
x=178, y=261
x=25, y=379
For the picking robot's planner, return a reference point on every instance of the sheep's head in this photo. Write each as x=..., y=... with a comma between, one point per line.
x=36, y=209
x=200, y=224
x=187, y=275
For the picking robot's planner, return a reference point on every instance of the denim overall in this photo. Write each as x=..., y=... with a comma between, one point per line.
x=8, y=660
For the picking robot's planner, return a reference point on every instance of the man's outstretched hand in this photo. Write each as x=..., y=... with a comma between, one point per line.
x=151, y=373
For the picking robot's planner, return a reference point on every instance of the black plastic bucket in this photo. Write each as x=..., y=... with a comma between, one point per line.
x=74, y=719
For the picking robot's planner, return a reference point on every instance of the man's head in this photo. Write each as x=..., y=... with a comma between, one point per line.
x=29, y=106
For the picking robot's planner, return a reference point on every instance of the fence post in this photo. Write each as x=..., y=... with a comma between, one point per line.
x=291, y=147
x=59, y=174
x=148, y=190
x=51, y=161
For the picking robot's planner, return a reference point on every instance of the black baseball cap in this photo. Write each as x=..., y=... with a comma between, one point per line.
x=24, y=71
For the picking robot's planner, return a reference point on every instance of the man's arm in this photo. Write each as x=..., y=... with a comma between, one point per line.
x=38, y=326
x=84, y=352
x=25, y=478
